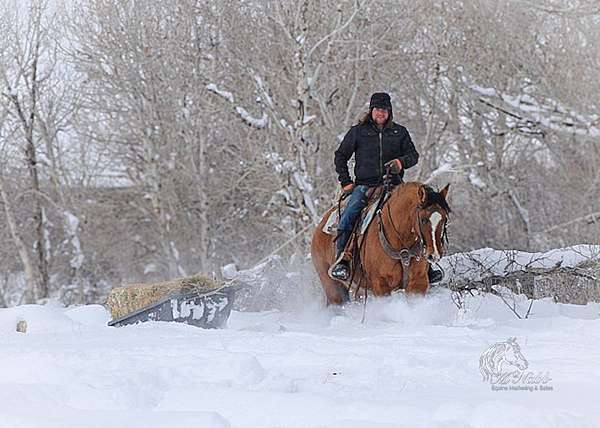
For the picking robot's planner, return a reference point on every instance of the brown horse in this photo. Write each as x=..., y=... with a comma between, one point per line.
x=395, y=250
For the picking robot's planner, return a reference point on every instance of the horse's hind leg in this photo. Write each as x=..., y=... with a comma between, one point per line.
x=335, y=292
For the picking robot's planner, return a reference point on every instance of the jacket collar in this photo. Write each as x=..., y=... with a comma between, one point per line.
x=388, y=125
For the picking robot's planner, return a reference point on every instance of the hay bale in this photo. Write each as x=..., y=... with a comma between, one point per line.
x=124, y=300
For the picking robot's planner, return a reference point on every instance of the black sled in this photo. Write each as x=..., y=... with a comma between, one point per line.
x=201, y=309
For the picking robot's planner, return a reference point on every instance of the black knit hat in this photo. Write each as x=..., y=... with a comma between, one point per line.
x=380, y=100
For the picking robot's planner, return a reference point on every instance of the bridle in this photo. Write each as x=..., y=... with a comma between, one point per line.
x=405, y=255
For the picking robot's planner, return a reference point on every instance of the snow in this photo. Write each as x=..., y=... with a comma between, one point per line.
x=175, y=252
x=545, y=113
x=229, y=271
x=71, y=226
x=150, y=268
x=483, y=262
x=476, y=181
x=223, y=93
x=261, y=122
x=413, y=363
x=47, y=224
x=308, y=118
x=260, y=84
x=488, y=92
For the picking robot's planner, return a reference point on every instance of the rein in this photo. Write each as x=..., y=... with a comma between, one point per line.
x=404, y=254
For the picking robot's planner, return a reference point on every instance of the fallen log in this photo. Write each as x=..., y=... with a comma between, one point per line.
x=576, y=285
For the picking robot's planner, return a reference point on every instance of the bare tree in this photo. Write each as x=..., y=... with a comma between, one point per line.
x=22, y=81
x=143, y=140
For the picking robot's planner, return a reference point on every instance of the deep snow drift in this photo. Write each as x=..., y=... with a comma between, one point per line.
x=411, y=364
x=437, y=361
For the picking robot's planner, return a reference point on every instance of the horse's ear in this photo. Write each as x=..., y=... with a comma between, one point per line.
x=444, y=191
x=422, y=195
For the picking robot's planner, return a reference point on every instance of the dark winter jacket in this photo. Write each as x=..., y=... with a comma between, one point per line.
x=372, y=148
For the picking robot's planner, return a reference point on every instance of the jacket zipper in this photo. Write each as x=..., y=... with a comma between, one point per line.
x=380, y=156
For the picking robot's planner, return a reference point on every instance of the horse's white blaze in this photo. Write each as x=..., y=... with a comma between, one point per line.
x=435, y=219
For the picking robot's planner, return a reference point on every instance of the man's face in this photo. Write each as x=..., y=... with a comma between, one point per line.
x=380, y=115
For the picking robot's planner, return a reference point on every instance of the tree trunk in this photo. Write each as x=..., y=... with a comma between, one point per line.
x=28, y=122
x=30, y=295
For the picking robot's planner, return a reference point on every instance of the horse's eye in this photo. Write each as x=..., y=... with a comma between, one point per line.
x=424, y=220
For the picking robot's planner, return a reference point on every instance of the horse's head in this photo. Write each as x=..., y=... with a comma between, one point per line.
x=513, y=355
x=493, y=361
x=432, y=217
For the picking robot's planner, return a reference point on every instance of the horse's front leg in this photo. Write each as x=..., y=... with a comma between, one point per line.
x=382, y=285
x=418, y=281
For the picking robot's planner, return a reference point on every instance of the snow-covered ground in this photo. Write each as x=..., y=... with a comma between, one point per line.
x=410, y=364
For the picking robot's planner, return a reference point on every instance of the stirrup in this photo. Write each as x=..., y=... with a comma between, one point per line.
x=340, y=272
x=340, y=269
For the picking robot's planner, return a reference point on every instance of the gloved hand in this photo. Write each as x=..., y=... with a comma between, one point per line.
x=347, y=189
x=395, y=166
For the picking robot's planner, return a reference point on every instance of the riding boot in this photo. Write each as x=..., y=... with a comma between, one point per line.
x=434, y=275
x=341, y=269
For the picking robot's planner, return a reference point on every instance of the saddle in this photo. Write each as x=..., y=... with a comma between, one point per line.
x=366, y=216
x=374, y=203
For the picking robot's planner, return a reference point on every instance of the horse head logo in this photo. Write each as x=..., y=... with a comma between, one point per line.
x=494, y=360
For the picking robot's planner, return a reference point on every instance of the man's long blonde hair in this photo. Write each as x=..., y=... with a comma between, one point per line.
x=365, y=117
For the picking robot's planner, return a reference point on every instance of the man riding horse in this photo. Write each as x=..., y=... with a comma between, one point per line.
x=378, y=145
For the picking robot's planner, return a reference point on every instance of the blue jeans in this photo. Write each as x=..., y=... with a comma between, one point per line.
x=358, y=200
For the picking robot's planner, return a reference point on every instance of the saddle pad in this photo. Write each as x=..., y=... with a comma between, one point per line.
x=330, y=226
x=367, y=215
x=366, y=220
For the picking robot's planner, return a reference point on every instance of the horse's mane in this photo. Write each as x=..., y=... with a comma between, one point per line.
x=488, y=364
x=435, y=198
